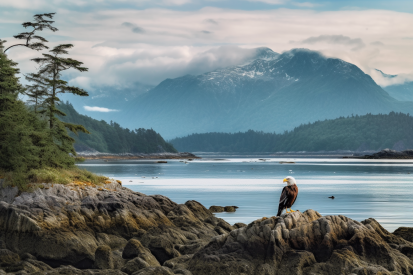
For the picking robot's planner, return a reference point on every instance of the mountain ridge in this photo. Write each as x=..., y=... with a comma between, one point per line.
x=299, y=86
x=355, y=133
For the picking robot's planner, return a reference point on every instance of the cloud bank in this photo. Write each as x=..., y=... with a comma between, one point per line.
x=126, y=46
x=355, y=43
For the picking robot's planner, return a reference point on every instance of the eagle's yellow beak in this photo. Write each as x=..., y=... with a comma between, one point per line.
x=285, y=180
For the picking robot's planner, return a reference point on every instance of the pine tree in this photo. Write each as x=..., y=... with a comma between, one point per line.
x=48, y=80
x=20, y=132
x=39, y=24
x=36, y=94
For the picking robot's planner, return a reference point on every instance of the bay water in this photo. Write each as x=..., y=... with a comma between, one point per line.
x=381, y=189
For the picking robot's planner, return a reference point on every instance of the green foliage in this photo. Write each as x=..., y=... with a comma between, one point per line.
x=79, y=159
x=111, y=138
x=37, y=177
x=48, y=84
x=18, y=129
x=26, y=142
x=368, y=132
x=39, y=24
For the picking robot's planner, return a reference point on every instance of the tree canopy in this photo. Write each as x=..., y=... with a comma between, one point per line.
x=31, y=39
x=34, y=138
x=355, y=133
x=111, y=137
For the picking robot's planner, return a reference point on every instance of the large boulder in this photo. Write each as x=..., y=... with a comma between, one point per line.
x=134, y=249
x=142, y=257
x=216, y=209
x=154, y=271
x=103, y=257
x=8, y=257
x=135, y=265
x=66, y=224
x=305, y=243
x=405, y=232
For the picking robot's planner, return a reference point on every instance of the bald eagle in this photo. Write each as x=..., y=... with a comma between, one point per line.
x=288, y=195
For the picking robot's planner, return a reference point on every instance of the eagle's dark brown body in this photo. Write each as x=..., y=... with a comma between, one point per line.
x=288, y=197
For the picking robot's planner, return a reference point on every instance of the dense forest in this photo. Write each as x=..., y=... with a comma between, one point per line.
x=35, y=145
x=111, y=138
x=355, y=133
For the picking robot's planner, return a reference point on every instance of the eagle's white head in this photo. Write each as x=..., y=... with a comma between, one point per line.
x=289, y=180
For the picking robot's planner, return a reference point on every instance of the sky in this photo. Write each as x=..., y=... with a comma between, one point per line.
x=126, y=42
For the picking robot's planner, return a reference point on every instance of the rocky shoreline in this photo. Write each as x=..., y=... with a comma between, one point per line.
x=109, y=156
x=83, y=228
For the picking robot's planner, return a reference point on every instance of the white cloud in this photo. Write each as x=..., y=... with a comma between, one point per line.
x=387, y=81
x=377, y=43
x=305, y=4
x=171, y=43
x=98, y=109
x=355, y=43
x=176, y=2
x=272, y=2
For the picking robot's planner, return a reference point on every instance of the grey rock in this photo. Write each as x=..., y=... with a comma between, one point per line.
x=305, y=243
x=8, y=257
x=70, y=270
x=135, y=265
x=182, y=272
x=154, y=271
x=65, y=224
x=179, y=263
x=216, y=209
x=142, y=255
x=239, y=225
x=230, y=208
x=405, y=232
x=28, y=266
x=103, y=257
x=219, y=209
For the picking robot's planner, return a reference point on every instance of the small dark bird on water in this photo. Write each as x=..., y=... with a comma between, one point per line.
x=332, y=197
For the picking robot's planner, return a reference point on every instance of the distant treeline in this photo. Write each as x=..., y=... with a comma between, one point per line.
x=111, y=138
x=356, y=133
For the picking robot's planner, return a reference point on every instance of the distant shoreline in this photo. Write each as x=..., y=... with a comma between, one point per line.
x=109, y=156
x=387, y=154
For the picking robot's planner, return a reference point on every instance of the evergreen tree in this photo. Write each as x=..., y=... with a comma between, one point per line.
x=21, y=134
x=48, y=81
x=36, y=94
x=39, y=24
x=9, y=82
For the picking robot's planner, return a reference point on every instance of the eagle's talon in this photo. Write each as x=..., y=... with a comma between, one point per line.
x=292, y=211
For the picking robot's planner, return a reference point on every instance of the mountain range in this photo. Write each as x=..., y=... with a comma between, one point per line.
x=272, y=93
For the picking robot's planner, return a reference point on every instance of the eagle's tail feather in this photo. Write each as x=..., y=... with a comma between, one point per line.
x=280, y=210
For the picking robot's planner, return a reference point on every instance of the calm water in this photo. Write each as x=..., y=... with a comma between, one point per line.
x=362, y=188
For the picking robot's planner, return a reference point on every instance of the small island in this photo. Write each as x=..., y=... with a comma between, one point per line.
x=387, y=154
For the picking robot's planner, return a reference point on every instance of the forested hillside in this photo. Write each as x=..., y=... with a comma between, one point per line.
x=112, y=138
x=356, y=133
